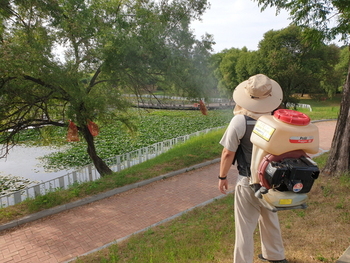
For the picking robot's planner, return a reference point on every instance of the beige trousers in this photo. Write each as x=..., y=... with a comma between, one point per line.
x=248, y=213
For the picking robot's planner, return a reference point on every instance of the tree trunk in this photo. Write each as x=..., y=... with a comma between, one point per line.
x=339, y=156
x=100, y=165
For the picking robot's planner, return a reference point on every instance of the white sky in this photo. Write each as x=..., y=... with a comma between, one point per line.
x=238, y=23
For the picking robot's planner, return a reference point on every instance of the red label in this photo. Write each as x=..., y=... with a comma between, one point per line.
x=301, y=139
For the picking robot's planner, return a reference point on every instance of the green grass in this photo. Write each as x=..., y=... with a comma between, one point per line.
x=328, y=109
x=153, y=126
x=319, y=233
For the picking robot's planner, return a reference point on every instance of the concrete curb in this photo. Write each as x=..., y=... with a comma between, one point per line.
x=345, y=258
x=94, y=198
x=324, y=120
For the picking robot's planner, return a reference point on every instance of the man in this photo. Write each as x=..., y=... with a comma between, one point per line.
x=257, y=96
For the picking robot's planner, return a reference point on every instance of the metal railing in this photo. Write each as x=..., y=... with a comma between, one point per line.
x=178, y=98
x=89, y=173
x=300, y=105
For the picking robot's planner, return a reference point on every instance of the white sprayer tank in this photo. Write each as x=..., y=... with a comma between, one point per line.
x=285, y=131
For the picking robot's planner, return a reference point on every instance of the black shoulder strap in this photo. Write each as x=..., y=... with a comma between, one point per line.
x=244, y=167
x=238, y=152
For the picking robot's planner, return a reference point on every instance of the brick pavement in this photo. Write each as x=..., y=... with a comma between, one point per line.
x=64, y=236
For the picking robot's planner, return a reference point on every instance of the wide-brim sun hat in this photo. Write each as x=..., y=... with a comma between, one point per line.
x=258, y=94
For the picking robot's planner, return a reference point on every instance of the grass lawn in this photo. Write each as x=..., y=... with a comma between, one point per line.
x=320, y=233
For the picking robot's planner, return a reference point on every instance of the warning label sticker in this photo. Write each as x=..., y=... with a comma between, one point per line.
x=263, y=130
x=301, y=139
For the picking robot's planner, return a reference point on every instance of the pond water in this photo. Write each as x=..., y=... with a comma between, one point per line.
x=25, y=162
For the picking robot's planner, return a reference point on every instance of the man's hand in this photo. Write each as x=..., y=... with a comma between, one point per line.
x=223, y=186
x=225, y=165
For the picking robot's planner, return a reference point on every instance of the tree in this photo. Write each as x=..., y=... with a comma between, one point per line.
x=326, y=20
x=342, y=67
x=248, y=65
x=285, y=56
x=332, y=73
x=289, y=59
x=226, y=70
x=72, y=59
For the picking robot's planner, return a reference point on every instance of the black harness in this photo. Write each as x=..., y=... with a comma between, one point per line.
x=244, y=151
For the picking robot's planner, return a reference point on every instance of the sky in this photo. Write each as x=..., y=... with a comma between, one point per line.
x=238, y=23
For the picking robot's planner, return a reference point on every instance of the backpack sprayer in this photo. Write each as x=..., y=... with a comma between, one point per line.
x=282, y=172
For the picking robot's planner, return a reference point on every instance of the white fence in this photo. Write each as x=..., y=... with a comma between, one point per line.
x=89, y=173
x=292, y=105
x=210, y=100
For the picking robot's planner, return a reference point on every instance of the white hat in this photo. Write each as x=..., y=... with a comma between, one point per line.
x=258, y=94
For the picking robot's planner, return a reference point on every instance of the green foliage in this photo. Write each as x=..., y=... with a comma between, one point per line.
x=343, y=66
x=288, y=57
x=226, y=70
x=248, y=65
x=196, y=150
x=298, y=67
x=154, y=127
x=316, y=15
x=10, y=183
x=114, y=139
x=105, y=48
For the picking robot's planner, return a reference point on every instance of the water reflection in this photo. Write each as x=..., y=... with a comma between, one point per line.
x=25, y=162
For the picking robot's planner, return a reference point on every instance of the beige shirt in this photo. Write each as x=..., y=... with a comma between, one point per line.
x=234, y=132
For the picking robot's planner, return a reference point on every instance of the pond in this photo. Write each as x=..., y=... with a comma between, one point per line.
x=26, y=162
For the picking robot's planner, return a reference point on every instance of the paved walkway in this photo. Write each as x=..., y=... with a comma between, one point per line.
x=74, y=232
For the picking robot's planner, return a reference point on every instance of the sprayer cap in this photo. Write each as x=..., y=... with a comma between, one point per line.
x=292, y=117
